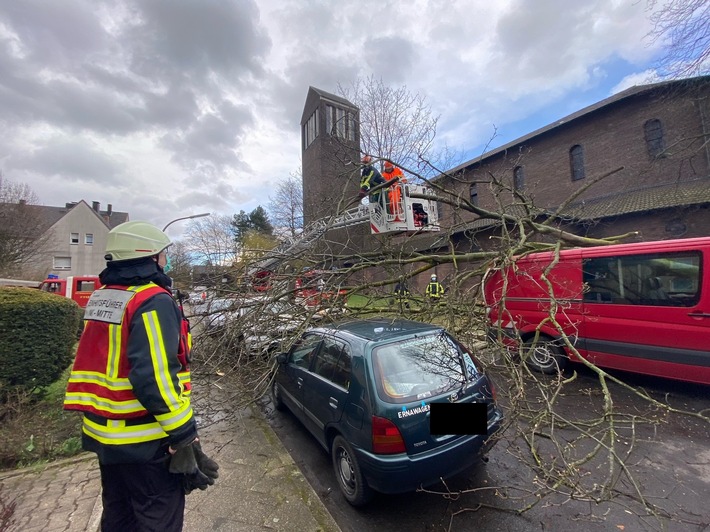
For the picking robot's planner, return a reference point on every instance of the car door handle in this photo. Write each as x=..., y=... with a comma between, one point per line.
x=698, y=314
x=333, y=402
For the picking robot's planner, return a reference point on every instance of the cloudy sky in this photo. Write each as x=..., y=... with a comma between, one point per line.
x=166, y=108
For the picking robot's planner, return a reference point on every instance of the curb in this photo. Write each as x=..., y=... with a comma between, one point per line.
x=38, y=468
x=95, y=519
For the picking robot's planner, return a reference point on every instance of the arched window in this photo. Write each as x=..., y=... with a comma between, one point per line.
x=653, y=133
x=576, y=161
x=473, y=194
x=518, y=178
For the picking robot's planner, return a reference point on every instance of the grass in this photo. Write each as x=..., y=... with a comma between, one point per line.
x=35, y=429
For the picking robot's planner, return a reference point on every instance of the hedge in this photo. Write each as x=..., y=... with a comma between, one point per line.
x=38, y=332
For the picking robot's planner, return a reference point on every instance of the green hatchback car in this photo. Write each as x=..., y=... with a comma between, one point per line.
x=368, y=390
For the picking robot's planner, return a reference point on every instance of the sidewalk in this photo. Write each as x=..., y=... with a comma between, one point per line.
x=259, y=488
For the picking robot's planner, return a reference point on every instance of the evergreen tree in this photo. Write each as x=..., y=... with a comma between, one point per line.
x=260, y=221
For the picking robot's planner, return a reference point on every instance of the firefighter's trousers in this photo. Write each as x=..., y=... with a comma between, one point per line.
x=142, y=497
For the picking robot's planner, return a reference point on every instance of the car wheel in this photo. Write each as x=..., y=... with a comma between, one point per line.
x=276, y=396
x=347, y=470
x=544, y=356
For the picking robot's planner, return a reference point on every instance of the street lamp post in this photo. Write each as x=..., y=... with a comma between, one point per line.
x=185, y=218
x=177, y=220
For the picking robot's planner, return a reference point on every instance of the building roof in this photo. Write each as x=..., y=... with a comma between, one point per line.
x=669, y=195
x=333, y=97
x=651, y=198
x=48, y=215
x=628, y=93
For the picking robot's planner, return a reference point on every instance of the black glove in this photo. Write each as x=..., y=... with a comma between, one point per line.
x=208, y=466
x=183, y=462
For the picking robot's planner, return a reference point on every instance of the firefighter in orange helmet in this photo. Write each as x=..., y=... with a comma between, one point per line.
x=396, y=176
x=131, y=381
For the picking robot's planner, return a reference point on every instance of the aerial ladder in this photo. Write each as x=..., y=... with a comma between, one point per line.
x=414, y=212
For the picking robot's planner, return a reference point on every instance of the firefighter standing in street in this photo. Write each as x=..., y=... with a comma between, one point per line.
x=131, y=381
x=371, y=178
x=396, y=176
x=401, y=292
x=434, y=290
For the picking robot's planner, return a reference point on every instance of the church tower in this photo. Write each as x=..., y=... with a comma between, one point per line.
x=330, y=155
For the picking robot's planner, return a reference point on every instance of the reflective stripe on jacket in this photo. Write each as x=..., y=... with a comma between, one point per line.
x=370, y=178
x=131, y=376
x=434, y=289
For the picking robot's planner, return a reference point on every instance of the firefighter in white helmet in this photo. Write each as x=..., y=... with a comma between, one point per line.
x=434, y=290
x=131, y=381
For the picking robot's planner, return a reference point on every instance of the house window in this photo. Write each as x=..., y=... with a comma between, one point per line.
x=653, y=133
x=310, y=130
x=576, y=161
x=74, y=238
x=518, y=178
x=89, y=239
x=62, y=263
x=473, y=194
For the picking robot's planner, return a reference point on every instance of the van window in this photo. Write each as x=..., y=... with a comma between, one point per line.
x=659, y=279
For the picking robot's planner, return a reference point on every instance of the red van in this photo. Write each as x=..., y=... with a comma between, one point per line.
x=642, y=307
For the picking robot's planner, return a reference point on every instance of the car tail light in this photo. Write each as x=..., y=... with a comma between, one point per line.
x=386, y=438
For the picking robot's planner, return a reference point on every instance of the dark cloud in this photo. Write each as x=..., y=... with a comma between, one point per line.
x=55, y=34
x=187, y=39
x=72, y=159
x=200, y=100
x=177, y=107
x=212, y=139
x=391, y=58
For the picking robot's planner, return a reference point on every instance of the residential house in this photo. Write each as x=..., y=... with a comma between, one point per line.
x=73, y=238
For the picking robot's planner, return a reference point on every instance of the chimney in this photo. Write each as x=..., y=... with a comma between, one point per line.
x=110, y=210
x=70, y=205
x=95, y=205
x=23, y=202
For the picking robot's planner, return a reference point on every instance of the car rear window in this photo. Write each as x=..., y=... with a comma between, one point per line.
x=421, y=367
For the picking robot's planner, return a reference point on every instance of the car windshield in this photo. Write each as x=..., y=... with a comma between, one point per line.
x=419, y=368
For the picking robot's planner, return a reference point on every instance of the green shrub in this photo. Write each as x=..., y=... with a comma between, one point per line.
x=38, y=332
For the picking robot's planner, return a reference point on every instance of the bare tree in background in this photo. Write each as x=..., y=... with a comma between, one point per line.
x=395, y=123
x=210, y=243
x=23, y=231
x=180, y=265
x=684, y=27
x=286, y=206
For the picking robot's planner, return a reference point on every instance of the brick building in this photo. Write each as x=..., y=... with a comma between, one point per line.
x=656, y=137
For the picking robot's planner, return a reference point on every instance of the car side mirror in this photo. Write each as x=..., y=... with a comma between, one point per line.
x=281, y=358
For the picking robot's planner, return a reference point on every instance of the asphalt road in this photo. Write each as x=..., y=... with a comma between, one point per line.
x=669, y=460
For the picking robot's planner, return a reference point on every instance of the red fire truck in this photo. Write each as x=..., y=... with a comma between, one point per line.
x=77, y=287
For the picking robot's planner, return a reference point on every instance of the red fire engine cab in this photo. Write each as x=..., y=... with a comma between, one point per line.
x=76, y=287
